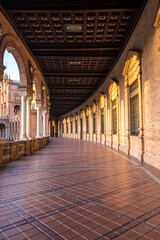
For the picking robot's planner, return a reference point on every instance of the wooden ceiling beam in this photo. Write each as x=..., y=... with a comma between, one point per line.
x=75, y=87
x=103, y=7
x=74, y=74
x=70, y=95
x=60, y=49
x=71, y=55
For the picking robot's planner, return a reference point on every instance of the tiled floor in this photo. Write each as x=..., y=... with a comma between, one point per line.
x=77, y=190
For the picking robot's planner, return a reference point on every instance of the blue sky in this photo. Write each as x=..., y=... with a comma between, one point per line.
x=11, y=66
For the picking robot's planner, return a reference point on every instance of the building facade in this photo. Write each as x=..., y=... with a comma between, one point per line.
x=124, y=113
x=10, y=111
x=10, y=117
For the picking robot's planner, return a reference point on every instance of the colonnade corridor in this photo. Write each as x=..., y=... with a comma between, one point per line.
x=75, y=189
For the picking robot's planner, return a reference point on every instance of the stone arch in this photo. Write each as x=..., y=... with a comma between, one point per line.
x=82, y=114
x=114, y=114
x=4, y=123
x=12, y=45
x=16, y=109
x=45, y=99
x=3, y=128
x=134, y=103
x=94, y=107
x=68, y=119
x=37, y=81
x=88, y=110
x=113, y=91
x=132, y=66
x=102, y=101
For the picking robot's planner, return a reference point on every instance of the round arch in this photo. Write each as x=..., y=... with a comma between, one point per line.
x=38, y=84
x=12, y=45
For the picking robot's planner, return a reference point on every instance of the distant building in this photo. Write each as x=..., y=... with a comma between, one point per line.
x=10, y=117
x=10, y=110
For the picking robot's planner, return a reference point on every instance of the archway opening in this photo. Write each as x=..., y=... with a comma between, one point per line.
x=12, y=70
x=2, y=130
x=16, y=109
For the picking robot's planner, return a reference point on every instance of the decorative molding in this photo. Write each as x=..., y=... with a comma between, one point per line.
x=94, y=108
x=115, y=80
x=156, y=23
x=102, y=100
x=113, y=91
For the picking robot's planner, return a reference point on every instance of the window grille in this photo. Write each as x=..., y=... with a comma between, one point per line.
x=94, y=123
x=134, y=86
x=134, y=115
x=75, y=126
x=87, y=124
x=114, y=117
x=102, y=121
x=134, y=108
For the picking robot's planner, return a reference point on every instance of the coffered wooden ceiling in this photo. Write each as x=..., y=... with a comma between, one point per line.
x=76, y=43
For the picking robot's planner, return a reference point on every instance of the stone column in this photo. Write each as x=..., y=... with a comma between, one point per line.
x=91, y=126
x=111, y=122
x=14, y=129
x=59, y=128
x=84, y=127
x=105, y=119
x=38, y=120
x=141, y=127
x=6, y=136
x=127, y=114
x=47, y=125
x=29, y=117
x=2, y=68
x=44, y=122
x=98, y=118
x=23, y=115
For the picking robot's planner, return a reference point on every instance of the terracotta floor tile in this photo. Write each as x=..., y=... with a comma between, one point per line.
x=77, y=190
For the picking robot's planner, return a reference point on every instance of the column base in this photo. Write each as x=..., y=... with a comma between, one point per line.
x=38, y=137
x=29, y=138
x=23, y=139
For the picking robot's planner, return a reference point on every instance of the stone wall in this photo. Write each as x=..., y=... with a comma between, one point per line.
x=145, y=146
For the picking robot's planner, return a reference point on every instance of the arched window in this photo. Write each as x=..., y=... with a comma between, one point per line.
x=71, y=124
x=16, y=109
x=132, y=86
x=87, y=119
x=33, y=103
x=94, y=109
x=2, y=130
x=67, y=126
x=113, y=92
x=76, y=125
x=64, y=126
x=82, y=118
x=102, y=105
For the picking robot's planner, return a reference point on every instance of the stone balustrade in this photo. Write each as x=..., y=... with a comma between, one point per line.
x=13, y=151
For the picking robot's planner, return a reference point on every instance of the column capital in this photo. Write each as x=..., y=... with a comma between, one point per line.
x=44, y=110
x=23, y=93
x=38, y=105
x=29, y=98
x=25, y=90
x=38, y=102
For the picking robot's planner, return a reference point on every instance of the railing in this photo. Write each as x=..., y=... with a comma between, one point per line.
x=12, y=151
